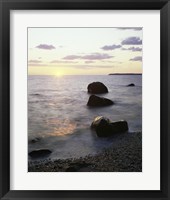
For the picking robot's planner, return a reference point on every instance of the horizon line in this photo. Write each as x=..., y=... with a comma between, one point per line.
x=86, y=74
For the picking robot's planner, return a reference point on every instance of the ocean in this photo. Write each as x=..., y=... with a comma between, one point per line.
x=59, y=119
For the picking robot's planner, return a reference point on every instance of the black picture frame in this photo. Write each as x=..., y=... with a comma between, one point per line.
x=5, y=7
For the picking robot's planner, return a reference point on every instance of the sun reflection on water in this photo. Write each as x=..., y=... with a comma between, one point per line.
x=61, y=127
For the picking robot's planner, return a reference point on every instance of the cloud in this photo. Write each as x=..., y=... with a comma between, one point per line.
x=92, y=66
x=93, y=56
x=84, y=67
x=133, y=48
x=34, y=61
x=71, y=57
x=96, y=56
x=89, y=61
x=45, y=46
x=111, y=47
x=36, y=65
x=130, y=28
x=137, y=58
x=108, y=61
x=132, y=41
x=62, y=61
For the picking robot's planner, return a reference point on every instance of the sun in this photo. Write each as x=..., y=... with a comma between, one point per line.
x=59, y=73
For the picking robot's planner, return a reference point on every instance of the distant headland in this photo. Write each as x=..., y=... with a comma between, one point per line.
x=125, y=74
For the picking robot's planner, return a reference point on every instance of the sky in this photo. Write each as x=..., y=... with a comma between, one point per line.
x=84, y=51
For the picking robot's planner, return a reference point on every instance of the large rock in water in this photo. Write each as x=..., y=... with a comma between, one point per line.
x=40, y=153
x=96, y=101
x=97, y=88
x=105, y=128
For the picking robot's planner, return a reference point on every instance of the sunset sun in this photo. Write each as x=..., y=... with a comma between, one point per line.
x=59, y=73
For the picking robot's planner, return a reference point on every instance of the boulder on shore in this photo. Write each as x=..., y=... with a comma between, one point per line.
x=40, y=153
x=97, y=88
x=99, y=119
x=96, y=101
x=131, y=85
x=105, y=128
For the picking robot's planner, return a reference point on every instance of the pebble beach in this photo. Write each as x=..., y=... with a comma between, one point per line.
x=124, y=155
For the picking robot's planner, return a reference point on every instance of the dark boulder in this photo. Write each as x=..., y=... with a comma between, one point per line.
x=40, y=153
x=98, y=120
x=96, y=101
x=119, y=126
x=97, y=88
x=131, y=85
x=105, y=128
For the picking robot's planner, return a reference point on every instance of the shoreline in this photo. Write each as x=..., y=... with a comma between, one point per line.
x=124, y=155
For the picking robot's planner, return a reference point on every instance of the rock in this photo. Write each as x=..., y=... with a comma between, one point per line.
x=99, y=101
x=40, y=153
x=131, y=85
x=97, y=88
x=98, y=120
x=105, y=128
x=119, y=126
x=102, y=126
x=34, y=140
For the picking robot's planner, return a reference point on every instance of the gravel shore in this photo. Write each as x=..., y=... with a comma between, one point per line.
x=125, y=155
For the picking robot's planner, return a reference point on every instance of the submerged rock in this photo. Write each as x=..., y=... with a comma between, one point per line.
x=99, y=101
x=104, y=127
x=131, y=85
x=97, y=88
x=40, y=153
x=34, y=140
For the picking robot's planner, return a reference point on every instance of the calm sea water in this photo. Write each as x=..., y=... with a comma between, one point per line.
x=59, y=119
